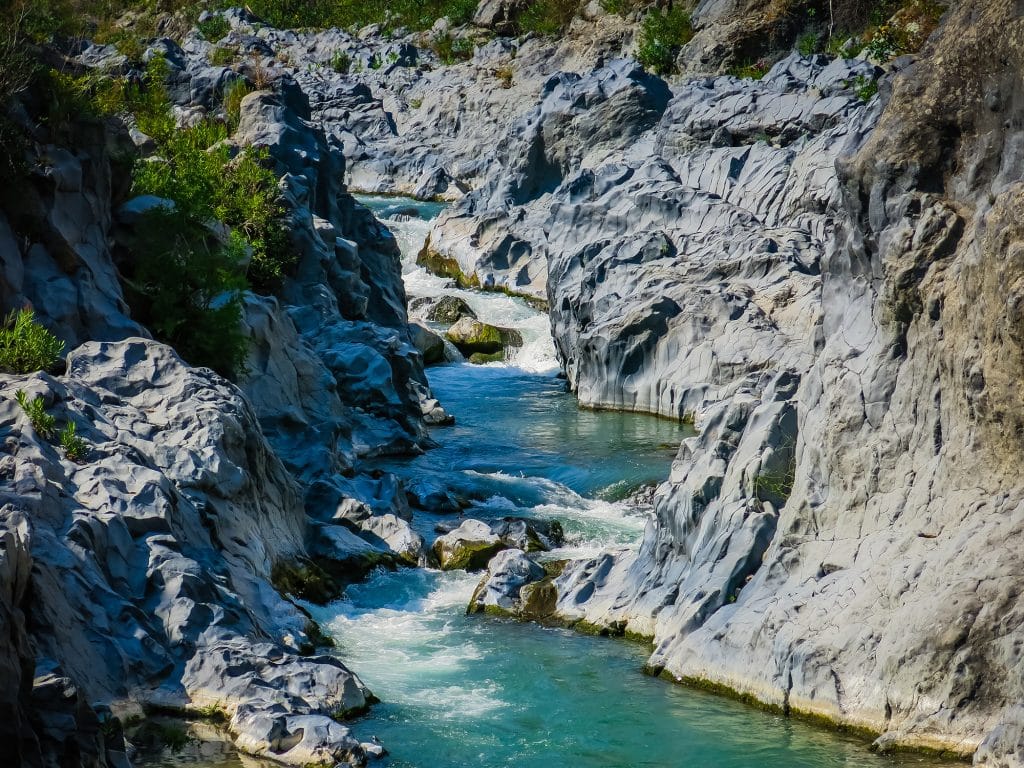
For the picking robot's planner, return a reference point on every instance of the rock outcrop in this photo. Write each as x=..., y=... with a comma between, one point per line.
x=152, y=565
x=828, y=286
x=507, y=573
x=151, y=561
x=468, y=548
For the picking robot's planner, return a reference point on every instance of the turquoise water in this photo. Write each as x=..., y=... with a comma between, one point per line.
x=465, y=691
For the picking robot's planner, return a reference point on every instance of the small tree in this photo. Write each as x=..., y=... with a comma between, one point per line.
x=26, y=346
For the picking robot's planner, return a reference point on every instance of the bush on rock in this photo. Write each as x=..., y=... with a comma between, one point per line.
x=662, y=34
x=26, y=346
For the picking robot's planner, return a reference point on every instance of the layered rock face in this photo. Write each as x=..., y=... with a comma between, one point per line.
x=842, y=536
x=833, y=304
x=151, y=561
x=141, y=577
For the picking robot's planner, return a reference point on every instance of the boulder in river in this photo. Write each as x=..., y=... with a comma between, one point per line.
x=429, y=344
x=507, y=573
x=469, y=547
x=394, y=534
x=449, y=309
x=529, y=535
x=472, y=337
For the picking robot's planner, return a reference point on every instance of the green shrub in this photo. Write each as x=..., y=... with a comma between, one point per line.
x=341, y=62
x=26, y=346
x=392, y=14
x=147, y=103
x=186, y=287
x=548, y=17
x=751, y=71
x=68, y=99
x=618, y=7
x=906, y=31
x=75, y=447
x=865, y=87
x=451, y=50
x=42, y=422
x=207, y=184
x=249, y=203
x=223, y=56
x=662, y=34
x=807, y=45
x=234, y=92
x=214, y=28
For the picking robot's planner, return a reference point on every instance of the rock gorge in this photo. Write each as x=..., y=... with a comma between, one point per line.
x=823, y=280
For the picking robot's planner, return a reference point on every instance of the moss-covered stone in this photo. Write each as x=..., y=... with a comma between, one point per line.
x=316, y=638
x=445, y=266
x=304, y=579
x=466, y=555
x=320, y=580
x=471, y=336
x=481, y=358
x=449, y=310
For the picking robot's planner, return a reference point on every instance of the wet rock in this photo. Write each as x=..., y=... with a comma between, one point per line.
x=448, y=310
x=529, y=535
x=430, y=344
x=433, y=495
x=507, y=573
x=469, y=547
x=347, y=557
x=473, y=337
x=395, y=535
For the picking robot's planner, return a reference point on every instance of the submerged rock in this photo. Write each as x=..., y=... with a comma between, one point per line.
x=469, y=547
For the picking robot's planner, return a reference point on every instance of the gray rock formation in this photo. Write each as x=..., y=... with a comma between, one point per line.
x=150, y=564
x=443, y=309
x=429, y=344
x=507, y=573
x=836, y=311
x=529, y=535
x=151, y=561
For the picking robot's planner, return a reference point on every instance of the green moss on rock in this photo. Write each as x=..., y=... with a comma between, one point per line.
x=466, y=555
x=480, y=358
x=306, y=580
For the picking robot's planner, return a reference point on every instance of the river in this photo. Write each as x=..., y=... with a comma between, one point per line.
x=464, y=691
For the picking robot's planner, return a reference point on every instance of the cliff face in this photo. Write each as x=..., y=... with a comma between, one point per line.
x=828, y=284
x=143, y=576
x=869, y=576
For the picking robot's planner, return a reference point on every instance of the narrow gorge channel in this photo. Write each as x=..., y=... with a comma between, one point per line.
x=460, y=690
x=685, y=431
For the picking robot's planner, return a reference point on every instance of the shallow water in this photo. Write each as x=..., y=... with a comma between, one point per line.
x=461, y=691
